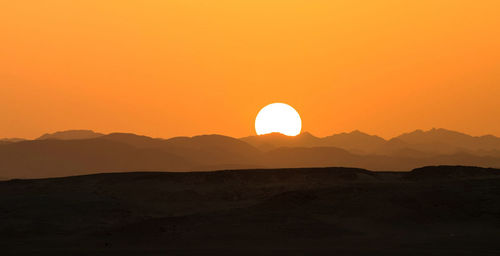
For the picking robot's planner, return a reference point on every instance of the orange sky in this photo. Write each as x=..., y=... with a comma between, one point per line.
x=185, y=67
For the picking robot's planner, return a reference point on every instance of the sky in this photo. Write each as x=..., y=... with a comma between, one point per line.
x=188, y=67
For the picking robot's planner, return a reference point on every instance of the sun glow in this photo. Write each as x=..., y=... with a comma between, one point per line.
x=278, y=117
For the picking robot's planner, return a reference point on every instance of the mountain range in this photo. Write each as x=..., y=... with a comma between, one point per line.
x=78, y=152
x=434, y=141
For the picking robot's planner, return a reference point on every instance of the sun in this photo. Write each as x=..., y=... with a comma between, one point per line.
x=278, y=117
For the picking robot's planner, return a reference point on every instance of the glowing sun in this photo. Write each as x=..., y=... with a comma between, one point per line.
x=278, y=117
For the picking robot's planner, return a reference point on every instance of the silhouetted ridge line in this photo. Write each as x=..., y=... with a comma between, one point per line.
x=419, y=142
x=449, y=172
x=129, y=152
x=71, y=135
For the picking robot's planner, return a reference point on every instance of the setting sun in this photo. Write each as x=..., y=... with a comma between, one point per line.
x=278, y=117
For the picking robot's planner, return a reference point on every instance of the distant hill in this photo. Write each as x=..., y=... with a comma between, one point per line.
x=10, y=140
x=355, y=141
x=71, y=135
x=208, y=151
x=52, y=157
x=417, y=144
x=124, y=152
x=329, y=156
x=131, y=139
x=448, y=142
x=275, y=140
x=215, y=150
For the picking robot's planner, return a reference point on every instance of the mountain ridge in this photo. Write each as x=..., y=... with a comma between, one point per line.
x=437, y=141
x=70, y=135
x=131, y=152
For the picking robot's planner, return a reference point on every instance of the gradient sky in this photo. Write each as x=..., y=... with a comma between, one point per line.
x=183, y=67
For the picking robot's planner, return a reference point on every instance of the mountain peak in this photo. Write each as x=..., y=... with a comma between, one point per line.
x=359, y=133
x=306, y=135
x=431, y=132
x=445, y=141
x=70, y=135
x=12, y=139
x=355, y=134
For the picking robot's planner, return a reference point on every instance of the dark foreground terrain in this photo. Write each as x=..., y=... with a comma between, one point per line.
x=322, y=211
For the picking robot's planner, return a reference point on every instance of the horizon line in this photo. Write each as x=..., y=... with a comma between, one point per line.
x=237, y=137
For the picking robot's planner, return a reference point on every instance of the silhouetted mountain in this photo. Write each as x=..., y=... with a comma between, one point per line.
x=71, y=135
x=207, y=151
x=312, y=157
x=215, y=151
x=130, y=152
x=355, y=141
x=124, y=152
x=275, y=140
x=131, y=139
x=449, y=142
x=328, y=156
x=10, y=140
x=49, y=158
x=416, y=144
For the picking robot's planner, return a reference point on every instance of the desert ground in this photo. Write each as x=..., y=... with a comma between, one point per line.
x=444, y=210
